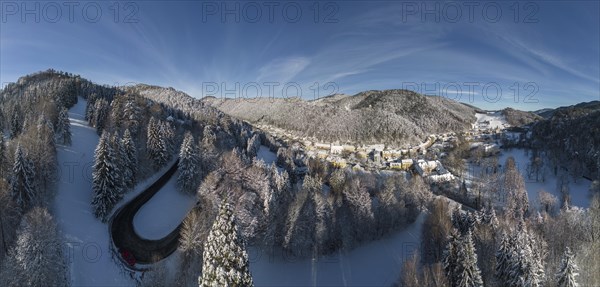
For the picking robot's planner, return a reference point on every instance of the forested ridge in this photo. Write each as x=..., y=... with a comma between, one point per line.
x=571, y=135
x=394, y=117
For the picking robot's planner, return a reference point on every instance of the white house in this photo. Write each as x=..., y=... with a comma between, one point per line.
x=336, y=149
x=440, y=177
x=424, y=168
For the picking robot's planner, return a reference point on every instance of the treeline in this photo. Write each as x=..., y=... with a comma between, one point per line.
x=140, y=134
x=508, y=242
x=33, y=121
x=321, y=212
x=518, y=118
x=571, y=137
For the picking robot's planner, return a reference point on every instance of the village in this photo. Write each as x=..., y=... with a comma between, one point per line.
x=487, y=135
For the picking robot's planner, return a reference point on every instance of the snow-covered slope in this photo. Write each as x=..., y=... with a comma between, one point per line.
x=377, y=263
x=266, y=155
x=491, y=120
x=87, y=239
x=579, y=191
x=164, y=212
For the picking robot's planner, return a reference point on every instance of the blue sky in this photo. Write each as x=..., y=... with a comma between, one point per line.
x=547, y=51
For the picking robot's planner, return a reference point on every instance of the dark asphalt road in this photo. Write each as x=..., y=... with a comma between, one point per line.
x=124, y=236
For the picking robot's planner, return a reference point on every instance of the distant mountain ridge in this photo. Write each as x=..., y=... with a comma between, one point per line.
x=393, y=117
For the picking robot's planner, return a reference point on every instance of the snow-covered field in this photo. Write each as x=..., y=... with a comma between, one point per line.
x=165, y=210
x=490, y=121
x=266, y=155
x=580, y=195
x=87, y=239
x=377, y=263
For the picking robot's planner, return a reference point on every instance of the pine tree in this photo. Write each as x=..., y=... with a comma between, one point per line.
x=460, y=260
x=567, y=270
x=524, y=267
x=101, y=112
x=522, y=271
x=106, y=193
x=189, y=165
x=3, y=161
x=253, y=146
x=225, y=261
x=450, y=256
x=37, y=258
x=467, y=273
x=22, y=183
x=503, y=258
x=513, y=187
x=16, y=122
x=64, y=127
x=132, y=111
x=45, y=132
x=167, y=133
x=120, y=162
x=156, y=144
x=463, y=221
x=209, y=138
x=162, y=152
x=276, y=203
x=131, y=160
x=89, y=107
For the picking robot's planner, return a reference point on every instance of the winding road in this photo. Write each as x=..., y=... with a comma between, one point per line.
x=125, y=238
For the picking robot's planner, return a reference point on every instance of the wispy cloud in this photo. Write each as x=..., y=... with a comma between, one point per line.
x=282, y=70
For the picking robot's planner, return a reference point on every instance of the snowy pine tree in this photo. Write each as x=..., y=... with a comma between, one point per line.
x=120, y=163
x=89, y=107
x=131, y=159
x=189, y=165
x=567, y=270
x=106, y=192
x=522, y=271
x=503, y=258
x=156, y=144
x=45, y=132
x=253, y=146
x=101, y=111
x=16, y=122
x=450, y=256
x=167, y=133
x=37, y=258
x=467, y=273
x=225, y=261
x=460, y=260
x=524, y=264
x=22, y=183
x=209, y=138
x=3, y=160
x=276, y=203
x=64, y=127
x=132, y=110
